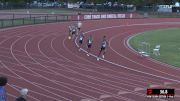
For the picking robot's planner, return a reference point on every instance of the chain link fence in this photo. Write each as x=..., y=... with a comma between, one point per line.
x=10, y=20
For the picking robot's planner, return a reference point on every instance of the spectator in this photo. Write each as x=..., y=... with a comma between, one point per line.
x=3, y=94
x=23, y=93
x=20, y=99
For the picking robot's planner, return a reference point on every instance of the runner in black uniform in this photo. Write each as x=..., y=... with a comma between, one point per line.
x=73, y=32
x=70, y=32
x=89, y=44
x=104, y=45
x=81, y=38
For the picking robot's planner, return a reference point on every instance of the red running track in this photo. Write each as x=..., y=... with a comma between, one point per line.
x=42, y=59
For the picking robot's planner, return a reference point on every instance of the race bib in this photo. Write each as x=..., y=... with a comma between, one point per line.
x=81, y=38
x=90, y=41
x=104, y=44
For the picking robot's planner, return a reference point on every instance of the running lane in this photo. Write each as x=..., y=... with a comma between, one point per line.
x=42, y=59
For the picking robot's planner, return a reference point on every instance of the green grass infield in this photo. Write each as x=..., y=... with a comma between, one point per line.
x=169, y=41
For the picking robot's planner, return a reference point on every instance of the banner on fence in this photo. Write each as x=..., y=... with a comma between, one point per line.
x=106, y=16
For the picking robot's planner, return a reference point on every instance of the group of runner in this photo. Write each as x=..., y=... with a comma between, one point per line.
x=75, y=31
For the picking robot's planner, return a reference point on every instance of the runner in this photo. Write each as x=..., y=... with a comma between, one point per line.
x=79, y=25
x=81, y=38
x=70, y=32
x=104, y=45
x=74, y=32
x=89, y=44
x=3, y=94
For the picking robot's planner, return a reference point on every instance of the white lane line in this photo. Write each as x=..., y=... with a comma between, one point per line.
x=105, y=96
x=11, y=95
x=123, y=92
x=5, y=54
x=33, y=54
x=139, y=89
x=167, y=83
x=87, y=99
x=154, y=86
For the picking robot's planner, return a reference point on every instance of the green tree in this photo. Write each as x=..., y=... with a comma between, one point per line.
x=16, y=1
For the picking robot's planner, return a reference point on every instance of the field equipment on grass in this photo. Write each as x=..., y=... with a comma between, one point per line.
x=144, y=49
x=156, y=50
